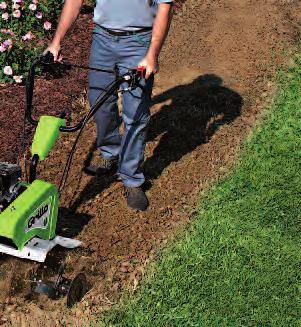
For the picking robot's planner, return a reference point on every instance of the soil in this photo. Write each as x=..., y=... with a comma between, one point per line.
x=215, y=80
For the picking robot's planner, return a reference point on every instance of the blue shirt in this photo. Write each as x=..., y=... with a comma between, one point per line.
x=126, y=14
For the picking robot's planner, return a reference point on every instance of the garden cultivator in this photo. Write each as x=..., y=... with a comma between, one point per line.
x=29, y=209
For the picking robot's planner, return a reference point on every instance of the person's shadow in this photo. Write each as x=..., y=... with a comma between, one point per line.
x=194, y=113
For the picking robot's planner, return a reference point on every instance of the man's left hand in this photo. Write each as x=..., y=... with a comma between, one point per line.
x=150, y=63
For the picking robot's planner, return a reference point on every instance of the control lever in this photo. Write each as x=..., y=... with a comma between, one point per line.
x=134, y=78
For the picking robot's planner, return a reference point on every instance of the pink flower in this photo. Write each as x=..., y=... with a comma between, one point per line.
x=7, y=70
x=5, y=16
x=39, y=15
x=2, y=48
x=16, y=6
x=28, y=36
x=7, y=43
x=35, y=2
x=47, y=25
x=3, y=5
x=7, y=32
x=32, y=7
x=18, y=1
x=17, y=13
x=18, y=79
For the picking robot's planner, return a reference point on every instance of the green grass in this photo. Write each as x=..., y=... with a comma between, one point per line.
x=238, y=263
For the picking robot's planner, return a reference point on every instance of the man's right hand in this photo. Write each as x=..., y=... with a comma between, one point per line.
x=55, y=49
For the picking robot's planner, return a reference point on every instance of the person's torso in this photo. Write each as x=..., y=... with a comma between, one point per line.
x=125, y=14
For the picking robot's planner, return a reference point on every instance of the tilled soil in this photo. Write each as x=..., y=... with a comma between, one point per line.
x=214, y=81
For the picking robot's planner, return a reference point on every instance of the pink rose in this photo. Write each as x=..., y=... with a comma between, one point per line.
x=16, y=6
x=39, y=15
x=35, y=2
x=5, y=16
x=17, y=13
x=7, y=70
x=7, y=43
x=3, y=5
x=47, y=25
x=7, y=32
x=28, y=36
x=33, y=7
x=2, y=48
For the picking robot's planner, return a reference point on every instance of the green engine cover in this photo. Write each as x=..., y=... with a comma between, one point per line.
x=33, y=213
x=46, y=134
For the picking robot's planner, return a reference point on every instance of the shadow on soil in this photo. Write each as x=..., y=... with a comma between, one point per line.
x=195, y=113
x=70, y=223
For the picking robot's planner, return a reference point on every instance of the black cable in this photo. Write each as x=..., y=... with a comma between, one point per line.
x=70, y=65
x=105, y=93
x=66, y=171
x=88, y=68
x=127, y=68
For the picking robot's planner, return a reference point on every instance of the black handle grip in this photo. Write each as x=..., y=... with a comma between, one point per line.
x=29, y=90
x=44, y=59
x=47, y=58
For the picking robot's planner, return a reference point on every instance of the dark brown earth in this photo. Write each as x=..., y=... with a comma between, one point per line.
x=215, y=80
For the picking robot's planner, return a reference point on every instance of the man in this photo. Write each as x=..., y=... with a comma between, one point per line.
x=127, y=33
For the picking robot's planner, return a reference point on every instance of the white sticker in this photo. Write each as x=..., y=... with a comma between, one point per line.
x=40, y=219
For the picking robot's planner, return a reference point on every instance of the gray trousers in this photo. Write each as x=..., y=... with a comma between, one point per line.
x=125, y=52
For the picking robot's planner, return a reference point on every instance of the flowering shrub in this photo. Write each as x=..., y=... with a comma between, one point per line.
x=23, y=27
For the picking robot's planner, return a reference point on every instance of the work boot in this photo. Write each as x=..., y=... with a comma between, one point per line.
x=136, y=198
x=100, y=166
